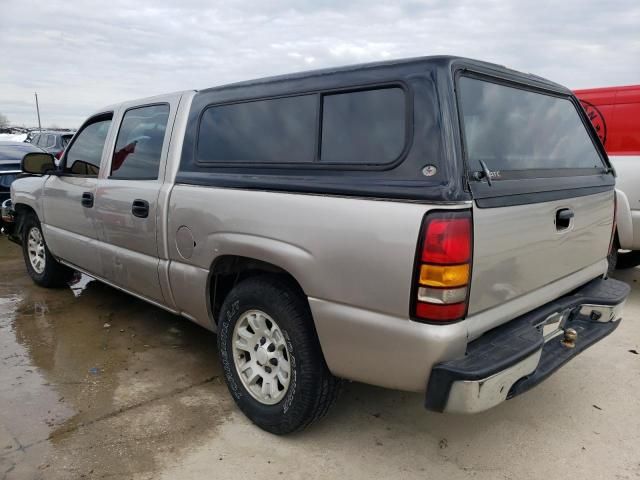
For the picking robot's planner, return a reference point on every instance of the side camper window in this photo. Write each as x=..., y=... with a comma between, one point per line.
x=280, y=130
x=364, y=127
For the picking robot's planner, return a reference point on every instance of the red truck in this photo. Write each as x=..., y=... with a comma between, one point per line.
x=615, y=114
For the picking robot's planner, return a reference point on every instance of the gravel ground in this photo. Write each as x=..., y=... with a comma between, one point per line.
x=96, y=384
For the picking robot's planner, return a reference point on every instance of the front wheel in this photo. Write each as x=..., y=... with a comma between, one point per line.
x=42, y=267
x=271, y=357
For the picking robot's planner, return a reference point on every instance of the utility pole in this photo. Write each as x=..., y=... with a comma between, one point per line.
x=38, y=110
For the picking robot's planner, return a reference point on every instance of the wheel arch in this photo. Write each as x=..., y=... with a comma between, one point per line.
x=226, y=271
x=22, y=210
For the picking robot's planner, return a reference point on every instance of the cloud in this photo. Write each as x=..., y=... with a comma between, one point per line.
x=80, y=56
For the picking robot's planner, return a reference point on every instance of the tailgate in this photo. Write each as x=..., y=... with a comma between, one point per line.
x=518, y=249
x=543, y=194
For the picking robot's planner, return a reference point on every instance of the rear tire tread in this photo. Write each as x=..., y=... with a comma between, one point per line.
x=318, y=388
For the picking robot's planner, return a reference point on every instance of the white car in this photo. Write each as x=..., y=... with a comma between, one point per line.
x=615, y=114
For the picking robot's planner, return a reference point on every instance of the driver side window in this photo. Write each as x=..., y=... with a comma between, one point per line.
x=84, y=155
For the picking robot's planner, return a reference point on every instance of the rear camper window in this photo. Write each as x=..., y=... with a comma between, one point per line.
x=514, y=129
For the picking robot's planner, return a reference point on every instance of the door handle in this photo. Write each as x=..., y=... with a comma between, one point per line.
x=563, y=218
x=87, y=199
x=140, y=208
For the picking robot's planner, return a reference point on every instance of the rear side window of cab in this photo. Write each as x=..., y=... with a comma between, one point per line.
x=359, y=128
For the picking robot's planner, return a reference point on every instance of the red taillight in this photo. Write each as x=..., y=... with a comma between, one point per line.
x=59, y=154
x=443, y=267
x=435, y=312
x=447, y=241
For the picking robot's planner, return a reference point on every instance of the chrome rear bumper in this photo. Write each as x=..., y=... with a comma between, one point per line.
x=472, y=396
x=515, y=357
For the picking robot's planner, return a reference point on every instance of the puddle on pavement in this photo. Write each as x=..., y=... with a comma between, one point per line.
x=95, y=383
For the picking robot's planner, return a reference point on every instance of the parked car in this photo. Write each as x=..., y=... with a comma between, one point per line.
x=53, y=142
x=615, y=113
x=11, y=154
x=30, y=135
x=438, y=225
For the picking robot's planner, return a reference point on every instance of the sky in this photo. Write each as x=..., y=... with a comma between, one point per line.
x=80, y=56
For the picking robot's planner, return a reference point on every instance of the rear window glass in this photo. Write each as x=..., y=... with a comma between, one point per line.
x=6, y=166
x=65, y=140
x=139, y=144
x=278, y=130
x=513, y=129
x=366, y=127
x=7, y=180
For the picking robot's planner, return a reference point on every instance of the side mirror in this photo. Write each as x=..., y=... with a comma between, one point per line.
x=38, y=163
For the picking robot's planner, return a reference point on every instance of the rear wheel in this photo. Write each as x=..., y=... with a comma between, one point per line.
x=271, y=357
x=42, y=267
x=629, y=259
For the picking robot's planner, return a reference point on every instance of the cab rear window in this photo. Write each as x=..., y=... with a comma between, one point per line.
x=514, y=129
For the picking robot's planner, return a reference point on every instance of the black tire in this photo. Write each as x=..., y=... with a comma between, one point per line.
x=54, y=274
x=628, y=259
x=312, y=389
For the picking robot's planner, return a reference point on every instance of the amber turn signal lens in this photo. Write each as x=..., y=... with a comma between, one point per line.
x=444, y=275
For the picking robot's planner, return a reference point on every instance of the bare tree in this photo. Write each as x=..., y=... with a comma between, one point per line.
x=4, y=121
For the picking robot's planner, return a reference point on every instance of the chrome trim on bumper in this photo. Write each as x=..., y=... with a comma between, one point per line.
x=472, y=396
x=603, y=313
x=476, y=396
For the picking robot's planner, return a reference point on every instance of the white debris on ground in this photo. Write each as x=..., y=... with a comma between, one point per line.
x=12, y=137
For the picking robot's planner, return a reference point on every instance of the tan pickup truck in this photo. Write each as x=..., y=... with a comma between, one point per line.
x=437, y=224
